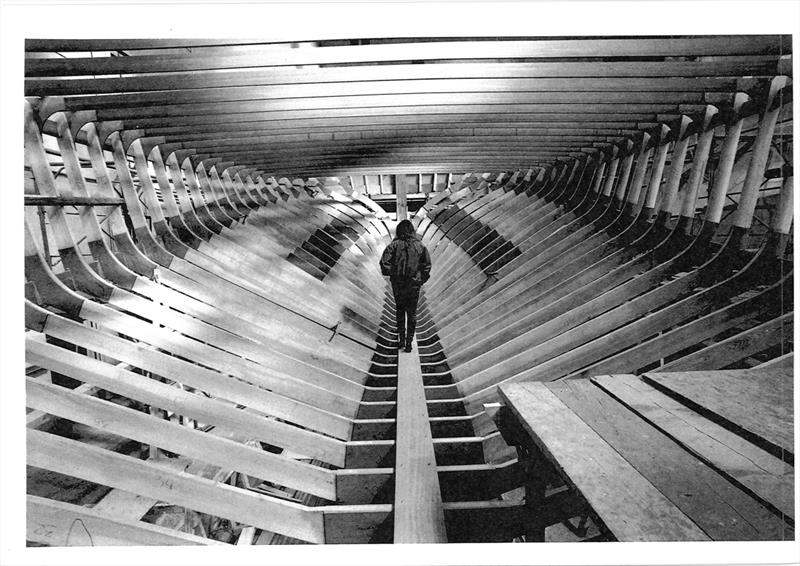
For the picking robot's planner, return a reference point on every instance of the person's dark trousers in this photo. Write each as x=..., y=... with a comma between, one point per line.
x=406, y=298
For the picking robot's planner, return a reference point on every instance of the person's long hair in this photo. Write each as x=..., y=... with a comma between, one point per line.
x=405, y=230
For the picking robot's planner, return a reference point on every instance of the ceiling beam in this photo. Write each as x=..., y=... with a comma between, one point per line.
x=284, y=55
x=548, y=90
x=665, y=75
x=318, y=109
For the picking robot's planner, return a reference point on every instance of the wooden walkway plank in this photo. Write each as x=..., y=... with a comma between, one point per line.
x=766, y=476
x=756, y=401
x=720, y=508
x=626, y=502
x=418, y=513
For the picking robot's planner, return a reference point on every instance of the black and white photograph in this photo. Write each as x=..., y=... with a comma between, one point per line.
x=398, y=283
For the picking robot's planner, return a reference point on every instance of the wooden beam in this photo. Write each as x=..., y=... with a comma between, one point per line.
x=281, y=55
x=737, y=347
x=44, y=200
x=198, y=407
x=451, y=116
x=509, y=137
x=179, y=439
x=206, y=496
x=673, y=75
x=418, y=513
x=402, y=105
x=381, y=94
x=56, y=523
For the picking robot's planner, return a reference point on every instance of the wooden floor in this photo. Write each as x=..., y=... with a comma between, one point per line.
x=669, y=456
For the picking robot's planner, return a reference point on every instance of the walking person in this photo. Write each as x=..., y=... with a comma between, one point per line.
x=407, y=263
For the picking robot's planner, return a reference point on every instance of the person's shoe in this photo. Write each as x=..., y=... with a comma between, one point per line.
x=400, y=342
x=408, y=346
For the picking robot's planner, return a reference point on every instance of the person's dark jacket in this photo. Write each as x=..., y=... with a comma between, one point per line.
x=406, y=261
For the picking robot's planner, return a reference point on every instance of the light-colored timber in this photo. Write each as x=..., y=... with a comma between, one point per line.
x=418, y=515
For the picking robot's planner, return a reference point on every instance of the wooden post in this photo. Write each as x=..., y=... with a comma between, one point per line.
x=622, y=184
x=722, y=175
x=656, y=175
x=675, y=171
x=704, y=140
x=743, y=218
x=639, y=172
x=598, y=178
x=402, y=203
x=612, y=171
x=782, y=223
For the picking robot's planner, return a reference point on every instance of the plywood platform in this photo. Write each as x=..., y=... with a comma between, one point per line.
x=655, y=464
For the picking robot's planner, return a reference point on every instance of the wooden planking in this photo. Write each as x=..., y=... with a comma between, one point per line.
x=717, y=506
x=56, y=523
x=756, y=401
x=625, y=501
x=418, y=513
x=767, y=477
x=130, y=474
